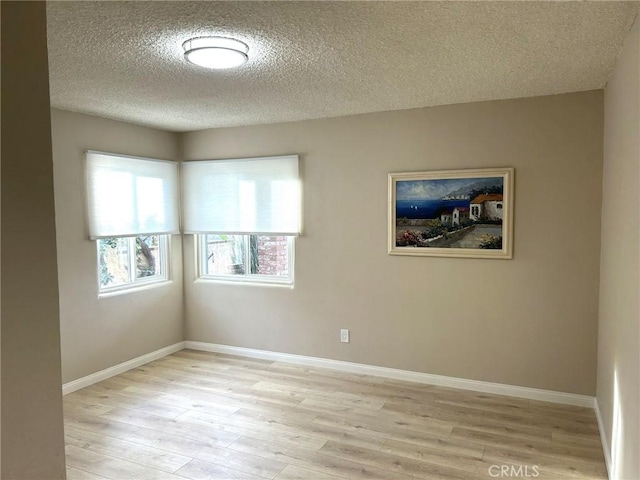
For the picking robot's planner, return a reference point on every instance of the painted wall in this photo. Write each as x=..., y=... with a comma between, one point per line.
x=619, y=320
x=0, y=273
x=32, y=433
x=97, y=333
x=529, y=321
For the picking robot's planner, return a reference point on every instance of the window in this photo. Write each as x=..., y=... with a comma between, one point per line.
x=246, y=213
x=132, y=207
x=126, y=262
x=258, y=258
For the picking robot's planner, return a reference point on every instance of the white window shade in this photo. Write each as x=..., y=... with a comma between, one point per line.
x=128, y=196
x=243, y=196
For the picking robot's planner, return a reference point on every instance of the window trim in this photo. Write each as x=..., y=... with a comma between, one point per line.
x=164, y=248
x=246, y=278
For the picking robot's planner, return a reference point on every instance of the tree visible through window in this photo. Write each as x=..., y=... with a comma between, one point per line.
x=128, y=261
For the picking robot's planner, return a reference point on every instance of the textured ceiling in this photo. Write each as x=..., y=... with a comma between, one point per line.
x=124, y=60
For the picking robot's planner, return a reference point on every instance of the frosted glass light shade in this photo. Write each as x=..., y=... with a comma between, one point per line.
x=128, y=196
x=243, y=196
x=216, y=52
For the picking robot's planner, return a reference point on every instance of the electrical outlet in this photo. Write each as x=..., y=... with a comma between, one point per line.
x=344, y=335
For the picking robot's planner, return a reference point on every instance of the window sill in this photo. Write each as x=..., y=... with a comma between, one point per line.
x=250, y=283
x=134, y=288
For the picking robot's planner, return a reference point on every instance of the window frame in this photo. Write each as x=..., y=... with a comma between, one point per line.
x=164, y=246
x=245, y=278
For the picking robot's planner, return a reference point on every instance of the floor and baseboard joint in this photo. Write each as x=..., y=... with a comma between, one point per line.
x=397, y=374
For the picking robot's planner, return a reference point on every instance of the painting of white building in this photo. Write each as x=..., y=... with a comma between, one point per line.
x=446, y=216
x=460, y=214
x=487, y=205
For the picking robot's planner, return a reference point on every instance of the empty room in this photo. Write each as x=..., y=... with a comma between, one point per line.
x=320, y=240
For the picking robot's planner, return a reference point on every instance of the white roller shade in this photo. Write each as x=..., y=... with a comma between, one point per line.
x=129, y=196
x=243, y=196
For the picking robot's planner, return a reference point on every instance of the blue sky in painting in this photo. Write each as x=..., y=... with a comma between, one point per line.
x=431, y=189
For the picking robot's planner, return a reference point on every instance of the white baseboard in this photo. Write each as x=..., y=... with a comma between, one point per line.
x=603, y=438
x=120, y=368
x=418, y=377
x=358, y=368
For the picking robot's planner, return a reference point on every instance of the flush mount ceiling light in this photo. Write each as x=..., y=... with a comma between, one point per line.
x=216, y=52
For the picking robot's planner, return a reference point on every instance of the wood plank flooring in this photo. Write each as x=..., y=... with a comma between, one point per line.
x=204, y=416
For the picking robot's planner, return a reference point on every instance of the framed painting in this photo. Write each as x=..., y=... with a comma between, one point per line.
x=452, y=213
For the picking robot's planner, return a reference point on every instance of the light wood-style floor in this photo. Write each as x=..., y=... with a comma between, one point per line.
x=206, y=416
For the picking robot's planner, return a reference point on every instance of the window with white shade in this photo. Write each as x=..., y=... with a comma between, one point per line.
x=246, y=213
x=128, y=196
x=132, y=207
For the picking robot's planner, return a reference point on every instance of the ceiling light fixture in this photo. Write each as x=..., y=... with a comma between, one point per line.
x=216, y=52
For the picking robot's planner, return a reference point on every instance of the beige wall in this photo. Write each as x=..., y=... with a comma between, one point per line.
x=619, y=324
x=32, y=433
x=98, y=333
x=0, y=273
x=528, y=321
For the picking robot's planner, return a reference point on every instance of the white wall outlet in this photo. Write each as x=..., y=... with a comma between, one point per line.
x=344, y=335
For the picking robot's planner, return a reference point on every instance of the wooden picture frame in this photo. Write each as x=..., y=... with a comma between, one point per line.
x=452, y=213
